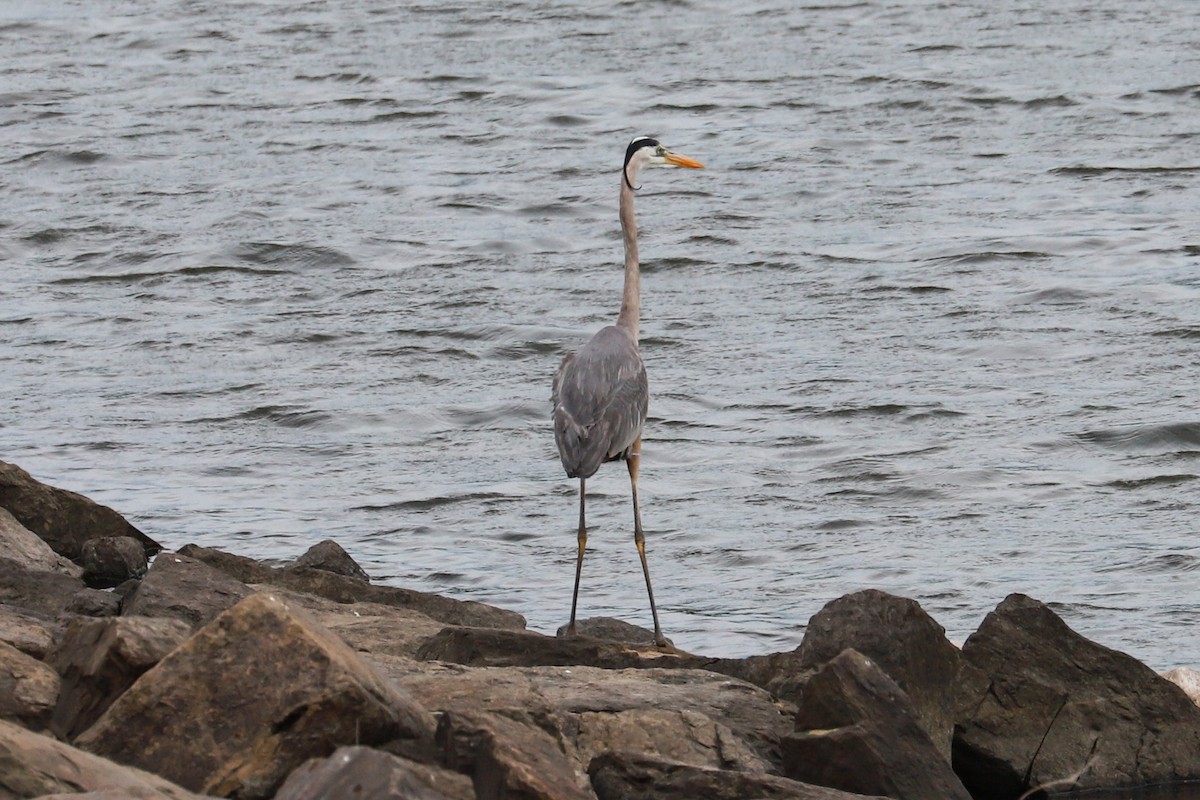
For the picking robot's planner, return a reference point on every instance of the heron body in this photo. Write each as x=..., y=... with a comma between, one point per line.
x=600, y=395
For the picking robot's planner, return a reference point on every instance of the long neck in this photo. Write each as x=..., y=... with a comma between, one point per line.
x=631, y=301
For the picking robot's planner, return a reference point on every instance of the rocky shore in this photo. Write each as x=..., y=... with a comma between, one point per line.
x=128, y=672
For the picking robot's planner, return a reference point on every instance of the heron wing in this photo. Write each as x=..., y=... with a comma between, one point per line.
x=600, y=400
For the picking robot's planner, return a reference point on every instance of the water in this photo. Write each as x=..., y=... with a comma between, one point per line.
x=927, y=322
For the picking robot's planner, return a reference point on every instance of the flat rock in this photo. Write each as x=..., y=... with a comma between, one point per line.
x=28, y=688
x=26, y=548
x=625, y=775
x=857, y=730
x=343, y=589
x=496, y=647
x=63, y=519
x=508, y=758
x=1059, y=703
x=723, y=720
x=247, y=699
x=32, y=765
x=184, y=588
x=902, y=640
x=329, y=556
x=362, y=772
x=99, y=659
x=610, y=629
x=111, y=560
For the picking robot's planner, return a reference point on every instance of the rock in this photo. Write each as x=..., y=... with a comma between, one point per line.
x=509, y=759
x=28, y=688
x=99, y=659
x=94, y=603
x=110, y=560
x=32, y=765
x=612, y=630
x=329, y=556
x=29, y=550
x=495, y=647
x=64, y=520
x=711, y=718
x=856, y=730
x=361, y=772
x=41, y=594
x=904, y=641
x=624, y=775
x=247, y=699
x=341, y=589
x=1059, y=703
x=25, y=632
x=184, y=588
x=1187, y=679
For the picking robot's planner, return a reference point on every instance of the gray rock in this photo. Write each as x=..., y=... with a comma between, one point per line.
x=361, y=772
x=184, y=588
x=63, y=519
x=28, y=688
x=25, y=632
x=1059, y=703
x=26, y=548
x=249, y=698
x=625, y=775
x=44, y=595
x=329, y=556
x=856, y=730
x=110, y=560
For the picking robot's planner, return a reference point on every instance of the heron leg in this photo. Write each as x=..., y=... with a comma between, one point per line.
x=578, y=558
x=639, y=538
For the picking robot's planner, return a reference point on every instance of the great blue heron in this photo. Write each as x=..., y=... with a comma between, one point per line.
x=600, y=393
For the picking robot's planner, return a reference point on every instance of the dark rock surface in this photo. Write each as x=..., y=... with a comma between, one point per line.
x=625, y=775
x=858, y=731
x=361, y=773
x=329, y=556
x=110, y=560
x=64, y=520
x=44, y=595
x=25, y=547
x=1059, y=703
x=247, y=699
x=184, y=588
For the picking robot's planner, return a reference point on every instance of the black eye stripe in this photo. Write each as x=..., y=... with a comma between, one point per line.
x=638, y=144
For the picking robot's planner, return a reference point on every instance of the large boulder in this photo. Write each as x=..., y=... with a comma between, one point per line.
x=368, y=774
x=331, y=557
x=28, y=688
x=184, y=588
x=99, y=659
x=32, y=765
x=109, y=561
x=902, y=640
x=26, y=548
x=44, y=595
x=65, y=520
x=625, y=775
x=856, y=730
x=247, y=699
x=688, y=715
x=1060, y=705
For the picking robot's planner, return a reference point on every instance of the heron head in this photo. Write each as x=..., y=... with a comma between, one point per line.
x=644, y=151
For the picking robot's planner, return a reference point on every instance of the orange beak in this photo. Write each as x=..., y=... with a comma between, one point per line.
x=682, y=161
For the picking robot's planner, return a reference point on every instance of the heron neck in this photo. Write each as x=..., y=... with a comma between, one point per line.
x=631, y=301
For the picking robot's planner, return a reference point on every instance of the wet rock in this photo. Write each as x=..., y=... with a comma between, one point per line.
x=110, y=560
x=625, y=775
x=856, y=730
x=247, y=699
x=63, y=519
x=1059, y=703
x=98, y=659
x=25, y=632
x=905, y=642
x=32, y=765
x=509, y=759
x=28, y=688
x=731, y=721
x=361, y=772
x=41, y=594
x=26, y=548
x=329, y=556
x=184, y=588
x=342, y=589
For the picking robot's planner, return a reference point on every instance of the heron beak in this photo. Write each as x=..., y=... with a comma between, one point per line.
x=682, y=161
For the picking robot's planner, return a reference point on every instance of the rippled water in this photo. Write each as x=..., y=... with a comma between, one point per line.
x=928, y=321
